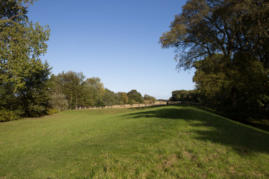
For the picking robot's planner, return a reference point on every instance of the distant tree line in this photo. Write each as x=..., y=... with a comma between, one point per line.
x=27, y=88
x=227, y=42
x=71, y=90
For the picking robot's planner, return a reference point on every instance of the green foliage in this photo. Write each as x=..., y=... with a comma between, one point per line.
x=123, y=98
x=207, y=27
x=23, y=77
x=34, y=97
x=94, y=91
x=52, y=111
x=134, y=97
x=58, y=102
x=149, y=99
x=6, y=115
x=110, y=98
x=227, y=42
x=69, y=84
x=185, y=96
x=78, y=92
x=239, y=88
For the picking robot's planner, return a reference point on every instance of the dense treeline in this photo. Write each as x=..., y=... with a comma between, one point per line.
x=227, y=42
x=27, y=88
x=71, y=90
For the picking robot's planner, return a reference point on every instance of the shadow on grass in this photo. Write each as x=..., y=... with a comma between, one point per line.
x=208, y=126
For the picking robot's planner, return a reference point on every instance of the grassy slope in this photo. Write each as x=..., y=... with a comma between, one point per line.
x=162, y=142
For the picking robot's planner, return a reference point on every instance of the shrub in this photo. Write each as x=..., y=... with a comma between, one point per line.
x=58, y=102
x=36, y=111
x=52, y=111
x=6, y=115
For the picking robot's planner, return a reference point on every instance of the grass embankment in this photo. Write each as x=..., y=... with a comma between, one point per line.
x=161, y=142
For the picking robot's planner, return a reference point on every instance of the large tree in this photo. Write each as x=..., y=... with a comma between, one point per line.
x=227, y=41
x=208, y=27
x=240, y=89
x=23, y=76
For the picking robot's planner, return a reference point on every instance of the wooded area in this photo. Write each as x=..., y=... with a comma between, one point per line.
x=227, y=43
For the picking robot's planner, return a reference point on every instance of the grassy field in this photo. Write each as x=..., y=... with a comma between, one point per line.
x=160, y=142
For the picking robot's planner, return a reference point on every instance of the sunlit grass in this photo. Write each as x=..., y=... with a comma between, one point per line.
x=161, y=142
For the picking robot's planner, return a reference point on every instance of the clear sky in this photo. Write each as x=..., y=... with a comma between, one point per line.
x=115, y=40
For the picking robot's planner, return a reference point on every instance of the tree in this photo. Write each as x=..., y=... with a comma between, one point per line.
x=134, y=97
x=149, y=99
x=71, y=85
x=240, y=88
x=71, y=88
x=208, y=27
x=123, y=98
x=185, y=96
x=34, y=96
x=78, y=92
x=110, y=98
x=94, y=90
x=58, y=102
x=227, y=41
x=23, y=77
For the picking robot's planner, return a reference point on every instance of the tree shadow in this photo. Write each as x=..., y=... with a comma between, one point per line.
x=207, y=126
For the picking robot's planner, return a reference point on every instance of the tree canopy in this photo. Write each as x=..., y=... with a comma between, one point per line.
x=73, y=90
x=208, y=27
x=227, y=42
x=23, y=76
x=134, y=97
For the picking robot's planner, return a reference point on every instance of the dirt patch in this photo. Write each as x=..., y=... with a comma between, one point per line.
x=168, y=162
x=187, y=155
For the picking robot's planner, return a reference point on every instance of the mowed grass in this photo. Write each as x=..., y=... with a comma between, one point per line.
x=160, y=142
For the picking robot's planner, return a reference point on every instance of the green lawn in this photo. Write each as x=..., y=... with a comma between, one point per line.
x=160, y=142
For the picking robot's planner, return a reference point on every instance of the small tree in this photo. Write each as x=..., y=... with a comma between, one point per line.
x=71, y=85
x=123, y=98
x=149, y=99
x=134, y=97
x=110, y=98
x=58, y=102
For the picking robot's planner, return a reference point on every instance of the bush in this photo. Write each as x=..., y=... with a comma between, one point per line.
x=58, y=102
x=149, y=99
x=52, y=111
x=6, y=115
x=36, y=111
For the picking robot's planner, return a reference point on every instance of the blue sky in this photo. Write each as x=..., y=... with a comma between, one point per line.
x=115, y=40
